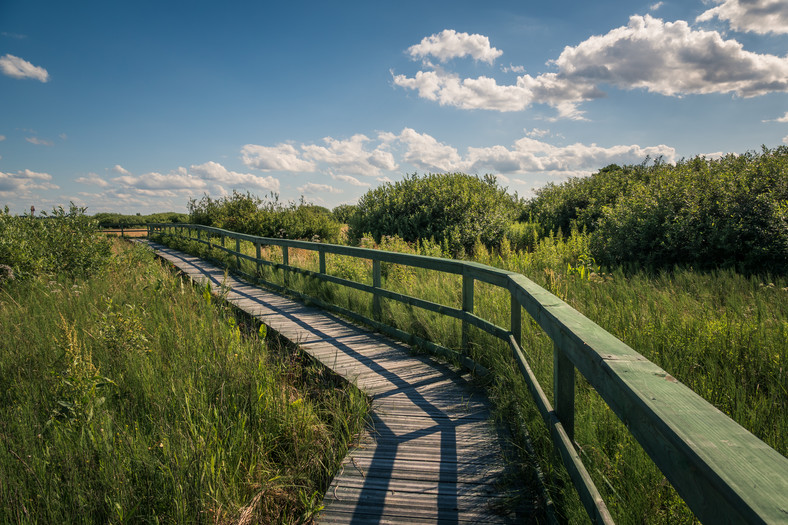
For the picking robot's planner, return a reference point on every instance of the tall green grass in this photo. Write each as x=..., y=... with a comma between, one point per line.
x=720, y=333
x=133, y=397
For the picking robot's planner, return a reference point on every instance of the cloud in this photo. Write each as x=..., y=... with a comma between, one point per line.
x=756, y=16
x=513, y=69
x=427, y=153
x=16, y=67
x=282, y=157
x=668, y=58
x=654, y=7
x=350, y=156
x=117, y=168
x=215, y=172
x=350, y=180
x=528, y=155
x=196, y=178
x=312, y=188
x=2, y=138
x=784, y=118
x=450, y=44
x=178, y=179
x=21, y=183
x=93, y=179
x=39, y=142
x=536, y=133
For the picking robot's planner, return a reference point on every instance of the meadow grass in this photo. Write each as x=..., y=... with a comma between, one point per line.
x=722, y=334
x=132, y=396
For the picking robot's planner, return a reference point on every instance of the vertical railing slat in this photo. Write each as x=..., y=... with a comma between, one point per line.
x=467, y=306
x=257, y=257
x=285, y=262
x=376, y=282
x=564, y=390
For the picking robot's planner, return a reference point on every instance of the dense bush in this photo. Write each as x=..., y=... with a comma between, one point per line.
x=454, y=207
x=730, y=212
x=343, y=213
x=66, y=242
x=110, y=220
x=246, y=213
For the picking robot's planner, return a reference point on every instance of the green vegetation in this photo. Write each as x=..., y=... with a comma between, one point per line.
x=685, y=263
x=454, y=208
x=245, y=213
x=63, y=242
x=130, y=396
x=114, y=220
x=725, y=213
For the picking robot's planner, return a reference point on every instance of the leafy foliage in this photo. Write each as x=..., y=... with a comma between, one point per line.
x=107, y=220
x=246, y=213
x=67, y=242
x=453, y=207
x=343, y=213
x=730, y=212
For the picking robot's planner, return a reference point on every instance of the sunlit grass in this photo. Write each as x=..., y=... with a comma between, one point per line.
x=131, y=397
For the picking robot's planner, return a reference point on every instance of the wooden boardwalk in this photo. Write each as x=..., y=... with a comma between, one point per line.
x=430, y=453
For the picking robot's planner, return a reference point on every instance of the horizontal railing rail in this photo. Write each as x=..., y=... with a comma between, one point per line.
x=723, y=472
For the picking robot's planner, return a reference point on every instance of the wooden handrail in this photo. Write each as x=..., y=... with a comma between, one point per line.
x=723, y=472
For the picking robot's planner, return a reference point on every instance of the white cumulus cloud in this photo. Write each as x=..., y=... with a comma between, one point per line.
x=669, y=58
x=756, y=16
x=215, y=172
x=450, y=44
x=16, y=67
x=350, y=180
x=312, y=188
x=39, y=142
x=93, y=179
x=282, y=157
x=350, y=156
x=21, y=183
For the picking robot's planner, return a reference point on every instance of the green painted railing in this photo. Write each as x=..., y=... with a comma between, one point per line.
x=723, y=472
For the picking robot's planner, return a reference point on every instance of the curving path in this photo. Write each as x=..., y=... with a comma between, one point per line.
x=430, y=453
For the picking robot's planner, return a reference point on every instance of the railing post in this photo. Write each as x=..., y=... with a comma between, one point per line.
x=222, y=236
x=516, y=322
x=257, y=257
x=285, y=262
x=199, y=235
x=376, y=282
x=467, y=306
x=321, y=255
x=237, y=252
x=564, y=391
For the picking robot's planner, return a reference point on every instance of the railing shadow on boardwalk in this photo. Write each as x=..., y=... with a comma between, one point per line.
x=435, y=455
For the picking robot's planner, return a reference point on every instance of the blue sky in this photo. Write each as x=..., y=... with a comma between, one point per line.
x=138, y=106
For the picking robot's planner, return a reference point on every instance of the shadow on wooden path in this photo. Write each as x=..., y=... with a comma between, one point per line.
x=430, y=453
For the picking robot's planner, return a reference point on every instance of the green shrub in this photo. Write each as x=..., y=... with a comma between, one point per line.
x=726, y=213
x=246, y=213
x=453, y=207
x=343, y=213
x=111, y=220
x=67, y=242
